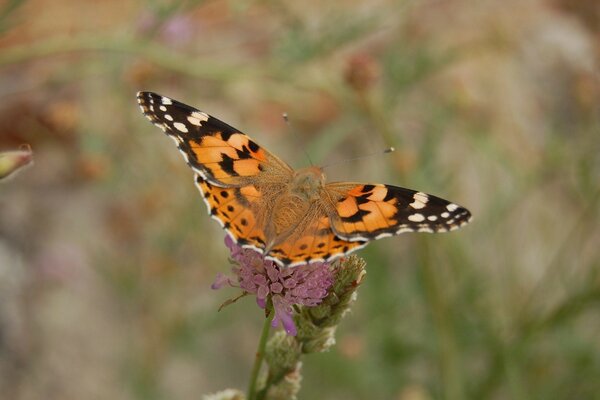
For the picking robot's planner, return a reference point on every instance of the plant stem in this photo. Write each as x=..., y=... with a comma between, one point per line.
x=159, y=55
x=450, y=365
x=260, y=352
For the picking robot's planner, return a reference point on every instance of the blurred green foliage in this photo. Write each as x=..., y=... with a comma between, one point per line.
x=107, y=254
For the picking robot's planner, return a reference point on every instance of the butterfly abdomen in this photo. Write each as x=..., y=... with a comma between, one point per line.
x=288, y=211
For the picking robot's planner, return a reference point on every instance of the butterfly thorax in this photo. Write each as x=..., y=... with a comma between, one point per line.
x=295, y=202
x=307, y=184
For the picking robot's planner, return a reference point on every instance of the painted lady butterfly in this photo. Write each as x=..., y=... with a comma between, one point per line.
x=293, y=217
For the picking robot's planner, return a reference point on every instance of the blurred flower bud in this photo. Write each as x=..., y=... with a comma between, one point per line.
x=227, y=394
x=362, y=72
x=12, y=161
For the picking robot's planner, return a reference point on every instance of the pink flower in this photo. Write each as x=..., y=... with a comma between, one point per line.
x=305, y=285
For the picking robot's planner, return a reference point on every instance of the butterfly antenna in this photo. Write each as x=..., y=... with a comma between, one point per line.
x=289, y=125
x=386, y=151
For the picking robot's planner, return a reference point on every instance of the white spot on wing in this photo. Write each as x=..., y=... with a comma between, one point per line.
x=451, y=207
x=432, y=217
x=275, y=260
x=445, y=214
x=162, y=108
x=168, y=117
x=416, y=217
x=197, y=118
x=166, y=101
x=420, y=200
x=354, y=238
x=251, y=246
x=180, y=127
x=382, y=235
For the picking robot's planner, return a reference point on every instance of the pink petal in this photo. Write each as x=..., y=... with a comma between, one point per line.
x=220, y=281
x=283, y=314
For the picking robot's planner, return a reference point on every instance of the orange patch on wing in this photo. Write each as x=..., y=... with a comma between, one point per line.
x=348, y=227
x=357, y=191
x=317, y=242
x=380, y=216
x=207, y=155
x=347, y=207
x=250, y=192
x=243, y=224
x=376, y=221
x=218, y=172
x=238, y=140
x=313, y=247
x=213, y=141
x=247, y=167
x=239, y=220
x=260, y=154
x=378, y=193
x=385, y=209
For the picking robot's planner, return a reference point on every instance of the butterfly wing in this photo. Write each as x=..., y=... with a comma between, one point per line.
x=235, y=210
x=313, y=241
x=238, y=178
x=219, y=153
x=365, y=212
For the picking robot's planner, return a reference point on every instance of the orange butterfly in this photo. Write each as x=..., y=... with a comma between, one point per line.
x=292, y=217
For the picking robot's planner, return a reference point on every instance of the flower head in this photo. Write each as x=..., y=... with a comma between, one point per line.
x=305, y=285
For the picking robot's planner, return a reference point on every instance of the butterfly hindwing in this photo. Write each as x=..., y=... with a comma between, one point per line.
x=233, y=208
x=218, y=152
x=372, y=211
x=316, y=242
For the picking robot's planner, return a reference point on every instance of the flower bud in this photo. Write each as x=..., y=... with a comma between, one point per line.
x=227, y=394
x=12, y=161
x=362, y=72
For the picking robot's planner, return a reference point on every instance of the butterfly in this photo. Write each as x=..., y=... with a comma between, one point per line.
x=292, y=217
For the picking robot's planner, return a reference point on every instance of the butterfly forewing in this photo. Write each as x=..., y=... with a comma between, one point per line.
x=218, y=152
x=372, y=211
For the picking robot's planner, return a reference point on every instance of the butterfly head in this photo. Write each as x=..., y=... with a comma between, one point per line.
x=308, y=182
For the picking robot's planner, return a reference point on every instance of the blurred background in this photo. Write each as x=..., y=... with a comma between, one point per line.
x=107, y=253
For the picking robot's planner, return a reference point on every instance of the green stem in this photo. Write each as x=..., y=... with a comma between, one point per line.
x=260, y=352
x=449, y=354
x=198, y=66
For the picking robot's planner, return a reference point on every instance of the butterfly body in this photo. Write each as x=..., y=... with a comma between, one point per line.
x=308, y=184
x=291, y=216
